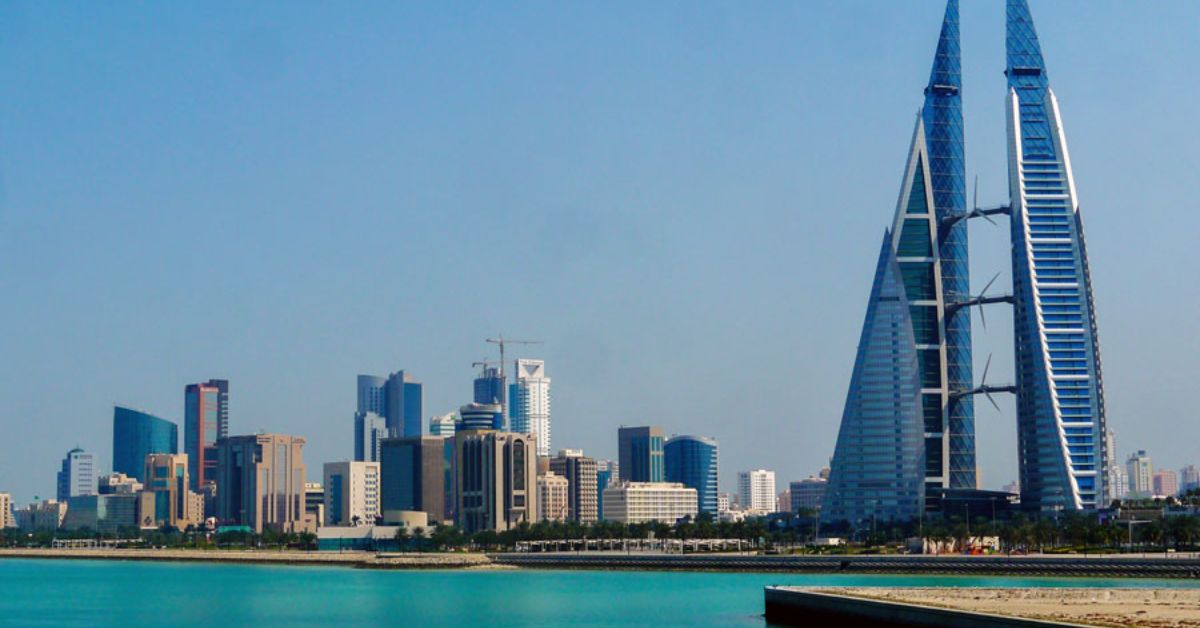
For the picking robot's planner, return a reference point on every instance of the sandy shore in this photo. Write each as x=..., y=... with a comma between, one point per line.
x=1094, y=607
x=354, y=559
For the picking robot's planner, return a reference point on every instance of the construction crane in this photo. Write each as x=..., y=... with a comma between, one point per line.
x=502, y=341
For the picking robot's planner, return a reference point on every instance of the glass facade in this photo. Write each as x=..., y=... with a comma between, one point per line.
x=878, y=464
x=1061, y=426
x=205, y=421
x=640, y=454
x=692, y=461
x=137, y=435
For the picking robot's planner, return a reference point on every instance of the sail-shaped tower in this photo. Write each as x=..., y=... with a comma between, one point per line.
x=1061, y=429
x=927, y=245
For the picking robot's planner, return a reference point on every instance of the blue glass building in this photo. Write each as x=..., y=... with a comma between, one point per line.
x=878, y=466
x=396, y=398
x=1061, y=426
x=137, y=435
x=640, y=454
x=692, y=461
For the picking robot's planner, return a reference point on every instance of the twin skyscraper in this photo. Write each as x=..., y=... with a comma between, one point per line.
x=908, y=429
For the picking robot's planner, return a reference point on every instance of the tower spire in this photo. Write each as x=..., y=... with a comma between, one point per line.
x=947, y=61
x=1024, y=51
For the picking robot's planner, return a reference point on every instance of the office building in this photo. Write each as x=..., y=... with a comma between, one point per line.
x=1189, y=479
x=903, y=432
x=352, y=493
x=723, y=503
x=1141, y=475
x=414, y=476
x=583, y=495
x=481, y=416
x=261, y=483
x=166, y=499
x=553, y=501
x=118, y=484
x=7, y=520
x=756, y=490
x=1118, y=482
x=607, y=472
x=529, y=410
x=397, y=398
x=1165, y=483
x=314, y=501
x=640, y=454
x=369, y=431
x=642, y=502
x=77, y=476
x=1062, y=452
x=496, y=475
x=807, y=494
x=47, y=515
x=692, y=461
x=206, y=421
x=137, y=435
x=443, y=425
x=106, y=514
x=490, y=387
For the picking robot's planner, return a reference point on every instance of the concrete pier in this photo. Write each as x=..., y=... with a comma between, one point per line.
x=796, y=607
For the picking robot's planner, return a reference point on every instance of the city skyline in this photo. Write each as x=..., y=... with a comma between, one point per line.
x=603, y=341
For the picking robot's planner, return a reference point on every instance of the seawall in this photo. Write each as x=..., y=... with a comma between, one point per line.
x=791, y=606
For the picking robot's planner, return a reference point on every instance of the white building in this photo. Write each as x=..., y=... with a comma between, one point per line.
x=722, y=502
x=443, y=425
x=756, y=490
x=1189, y=478
x=351, y=493
x=531, y=403
x=1141, y=475
x=7, y=520
x=78, y=475
x=553, y=497
x=640, y=502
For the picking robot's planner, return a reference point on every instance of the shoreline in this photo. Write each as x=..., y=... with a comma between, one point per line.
x=1053, y=566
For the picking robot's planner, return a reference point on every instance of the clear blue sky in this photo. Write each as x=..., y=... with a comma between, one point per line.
x=684, y=200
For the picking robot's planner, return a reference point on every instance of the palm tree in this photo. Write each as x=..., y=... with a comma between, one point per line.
x=419, y=536
x=401, y=536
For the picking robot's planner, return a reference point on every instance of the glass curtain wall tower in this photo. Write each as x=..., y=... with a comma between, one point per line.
x=1060, y=395
x=919, y=420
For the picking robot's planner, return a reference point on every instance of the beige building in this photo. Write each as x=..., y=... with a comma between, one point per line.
x=260, y=483
x=553, y=500
x=7, y=520
x=583, y=492
x=119, y=484
x=352, y=495
x=47, y=515
x=165, y=499
x=641, y=502
x=497, y=480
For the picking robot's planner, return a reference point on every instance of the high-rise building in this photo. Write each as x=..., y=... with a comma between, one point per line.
x=352, y=493
x=1117, y=483
x=490, y=387
x=1165, y=483
x=1141, y=475
x=1061, y=424
x=481, y=416
x=756, y=490
x=553, y=501
x=807, y=494
x=640, y=454
x=261, y=483
x=7, y=520
x=529, y=409
x=369, y=431
x=692, y=461
x=443, y=425
x=205, y=421
x=497, y=480
x=580, y=473
x=137, y=435
x=77, y=476
x=907, y=427
x=1189, y=478
x=607, y=472
x=397, y=398
x=414, y=476
x=642, y=502
x=167, y=499
x=314, y=501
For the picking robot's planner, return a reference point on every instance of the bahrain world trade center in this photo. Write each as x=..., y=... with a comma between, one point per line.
x=908, y=428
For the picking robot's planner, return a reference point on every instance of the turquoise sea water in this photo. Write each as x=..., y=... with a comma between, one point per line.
x=113, y=593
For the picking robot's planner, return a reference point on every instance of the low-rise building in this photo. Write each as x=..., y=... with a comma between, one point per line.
x=48, y=515
x=352, y=493
x=314, y=501
x=7, y=520
x=119, y=484
x=106, y=514
x=806, y=495
x=641, y=502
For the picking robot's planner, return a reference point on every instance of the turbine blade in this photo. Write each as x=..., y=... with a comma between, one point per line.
x=987, y=365
x=989, y=398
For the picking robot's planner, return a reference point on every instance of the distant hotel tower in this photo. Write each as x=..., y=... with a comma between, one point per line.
x=692, y=461
x=1062, y=445
x=529, y=408
x=206, y=421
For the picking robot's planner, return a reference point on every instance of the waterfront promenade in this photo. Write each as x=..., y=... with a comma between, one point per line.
x=278, y=557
